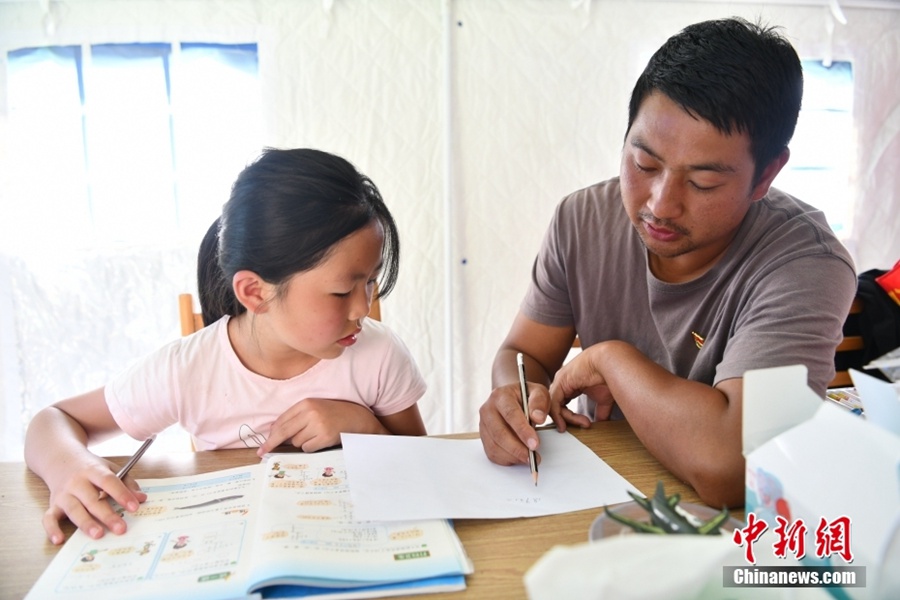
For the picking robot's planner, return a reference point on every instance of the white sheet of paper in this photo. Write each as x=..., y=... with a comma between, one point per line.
x=405, y=478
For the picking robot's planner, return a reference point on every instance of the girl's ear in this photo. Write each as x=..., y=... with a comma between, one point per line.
x=251, y=291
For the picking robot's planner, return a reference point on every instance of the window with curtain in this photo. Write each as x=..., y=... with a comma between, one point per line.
x=126, y=143
x=823, y=150
x=119, y=158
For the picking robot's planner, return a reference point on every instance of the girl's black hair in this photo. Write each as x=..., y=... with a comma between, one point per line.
x=286, y=211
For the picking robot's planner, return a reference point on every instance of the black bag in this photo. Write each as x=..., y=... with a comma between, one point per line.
x=878, y=324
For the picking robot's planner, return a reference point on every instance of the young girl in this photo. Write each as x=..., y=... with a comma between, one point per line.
x=285, y=281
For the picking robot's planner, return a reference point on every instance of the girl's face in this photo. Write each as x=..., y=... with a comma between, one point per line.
x=320, y=311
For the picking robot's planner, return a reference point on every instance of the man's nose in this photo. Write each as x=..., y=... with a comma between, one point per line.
x=666, y=197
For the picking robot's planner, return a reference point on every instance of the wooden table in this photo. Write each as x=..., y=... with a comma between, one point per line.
x=501, y=549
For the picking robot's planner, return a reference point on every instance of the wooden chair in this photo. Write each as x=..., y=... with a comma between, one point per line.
x=848, y=353
x=375, y=308
x=190, y=321
x=193, y=321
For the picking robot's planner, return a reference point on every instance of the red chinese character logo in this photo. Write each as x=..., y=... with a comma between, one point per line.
x=834, y=538
x=749, y=534
x=791, y=538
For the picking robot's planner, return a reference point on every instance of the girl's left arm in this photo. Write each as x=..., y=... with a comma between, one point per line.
x=406, y=422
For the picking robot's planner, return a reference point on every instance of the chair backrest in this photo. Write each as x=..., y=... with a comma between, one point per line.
x=190, y=321
x=193, y=321
x=848, y=353
x=375, y=307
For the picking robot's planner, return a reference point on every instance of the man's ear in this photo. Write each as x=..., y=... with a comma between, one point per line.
x=251, y=291
x=769, y=173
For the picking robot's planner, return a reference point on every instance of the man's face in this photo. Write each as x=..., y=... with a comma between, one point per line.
x=686, y=187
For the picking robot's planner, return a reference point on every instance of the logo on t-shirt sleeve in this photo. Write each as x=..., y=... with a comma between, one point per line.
x=698, y=339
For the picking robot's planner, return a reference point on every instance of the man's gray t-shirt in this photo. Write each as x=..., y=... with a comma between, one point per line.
x=778, y=296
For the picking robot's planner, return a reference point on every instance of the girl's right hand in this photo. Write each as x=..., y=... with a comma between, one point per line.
x=82, y=494
x=316, y=423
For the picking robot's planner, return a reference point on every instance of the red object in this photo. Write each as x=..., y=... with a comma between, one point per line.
x=782, y=508
x=890, y=282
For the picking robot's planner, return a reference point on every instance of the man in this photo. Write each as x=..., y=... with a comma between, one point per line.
x=682, y=273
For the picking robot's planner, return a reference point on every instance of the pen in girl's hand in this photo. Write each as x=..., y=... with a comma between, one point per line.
x=131, y=462
x=137, y=456
x=523, y=388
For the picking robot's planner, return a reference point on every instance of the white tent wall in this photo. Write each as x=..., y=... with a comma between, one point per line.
x=474, y=118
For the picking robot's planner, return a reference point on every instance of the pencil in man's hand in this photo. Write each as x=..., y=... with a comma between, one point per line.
x=523, y=388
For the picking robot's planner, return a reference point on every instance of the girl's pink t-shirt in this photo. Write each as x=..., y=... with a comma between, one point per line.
x=199, y=382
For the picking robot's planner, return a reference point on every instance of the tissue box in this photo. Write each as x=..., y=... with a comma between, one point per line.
x=825, y=482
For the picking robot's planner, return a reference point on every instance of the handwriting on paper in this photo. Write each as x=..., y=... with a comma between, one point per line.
x=525, y=500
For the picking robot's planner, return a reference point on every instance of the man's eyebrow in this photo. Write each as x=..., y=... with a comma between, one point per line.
x=716, y=167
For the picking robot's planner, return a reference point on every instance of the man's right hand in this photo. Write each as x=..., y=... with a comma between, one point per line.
x=505, y=433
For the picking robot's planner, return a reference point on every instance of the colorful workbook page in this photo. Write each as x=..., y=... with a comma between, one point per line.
x=307, y=534
x=191, y=537
x=278, y=529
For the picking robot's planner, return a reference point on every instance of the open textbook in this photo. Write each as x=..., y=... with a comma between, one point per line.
x=281, y=528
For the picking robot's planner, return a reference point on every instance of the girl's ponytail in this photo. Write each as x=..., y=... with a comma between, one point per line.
x=217, y=299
